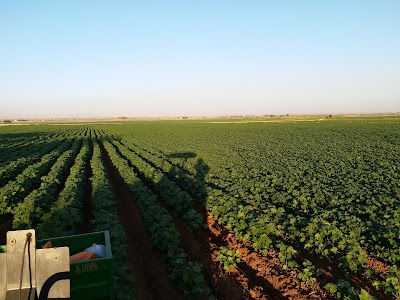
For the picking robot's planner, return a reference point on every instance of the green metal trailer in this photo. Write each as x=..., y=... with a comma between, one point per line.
x=91, y=279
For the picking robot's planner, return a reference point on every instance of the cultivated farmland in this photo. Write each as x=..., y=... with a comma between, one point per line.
x=232, y=210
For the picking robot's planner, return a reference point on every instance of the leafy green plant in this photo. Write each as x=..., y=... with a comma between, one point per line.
x=343, y=290
x=190, y=278
x=286, y=253
x=369, y=272
x=228, y=258
x=292, y=264
x=309, y=273
x=354, y=258
x=364, y=295
x=391, y=284
x=69, y=202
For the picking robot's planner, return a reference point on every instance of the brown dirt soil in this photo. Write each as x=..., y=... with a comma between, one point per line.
x=150, y=273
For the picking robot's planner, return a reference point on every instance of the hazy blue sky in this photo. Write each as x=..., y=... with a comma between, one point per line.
x=93, y=57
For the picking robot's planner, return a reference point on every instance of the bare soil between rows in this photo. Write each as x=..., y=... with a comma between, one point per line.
x=85, y=225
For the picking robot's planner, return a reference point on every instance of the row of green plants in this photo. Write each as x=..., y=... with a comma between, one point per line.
x=25, y=142
x=65, y=214
x=193, y=185
x=180, y=202
x=164, y=234
x=344, y=290
x=34, y=142
x=15, y=167
x=30, y=156
x=29, y=179
x=19, y=141
x=28, y=212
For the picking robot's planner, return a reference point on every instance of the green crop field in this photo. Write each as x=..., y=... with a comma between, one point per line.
x=303, y=208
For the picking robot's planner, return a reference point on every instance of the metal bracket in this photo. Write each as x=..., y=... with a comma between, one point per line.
x=22, y=275
x=17, y=267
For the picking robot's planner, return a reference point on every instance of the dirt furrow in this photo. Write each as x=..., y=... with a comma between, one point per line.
x=87, y=196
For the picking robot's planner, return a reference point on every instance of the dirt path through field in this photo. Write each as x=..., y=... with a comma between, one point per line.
x=149, y=271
